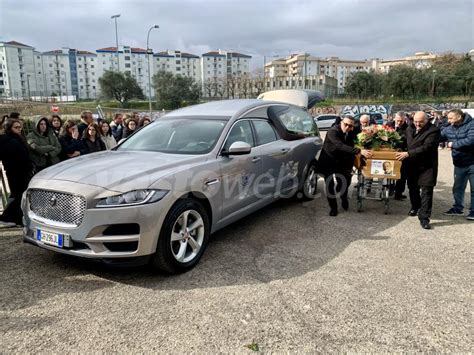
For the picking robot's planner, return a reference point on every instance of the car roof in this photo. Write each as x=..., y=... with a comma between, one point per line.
x=224, y=109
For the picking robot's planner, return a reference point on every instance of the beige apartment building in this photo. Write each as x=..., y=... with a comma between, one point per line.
x=305, y=65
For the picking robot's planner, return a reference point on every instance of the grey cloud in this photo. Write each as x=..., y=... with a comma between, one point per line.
x=346, y=28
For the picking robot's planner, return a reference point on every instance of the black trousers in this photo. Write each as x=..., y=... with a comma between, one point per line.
x=421, y=199
x=340, y=186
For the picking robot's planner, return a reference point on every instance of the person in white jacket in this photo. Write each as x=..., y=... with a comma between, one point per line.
x=106, y=135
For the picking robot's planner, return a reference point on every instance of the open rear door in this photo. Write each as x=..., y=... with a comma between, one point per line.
x=301, y=98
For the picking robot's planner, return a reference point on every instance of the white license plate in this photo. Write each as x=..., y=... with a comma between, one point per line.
x=50, y=238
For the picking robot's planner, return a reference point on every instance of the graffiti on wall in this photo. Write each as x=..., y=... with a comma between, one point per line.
x=356, y=109
x=315, y=111
x=449, y=105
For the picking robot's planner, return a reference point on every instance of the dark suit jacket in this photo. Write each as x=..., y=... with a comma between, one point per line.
x=422, y=163
x=337, y=155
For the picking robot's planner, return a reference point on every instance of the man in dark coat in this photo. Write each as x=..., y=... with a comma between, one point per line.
x=86, y=120
x=459, y=135
x=336, y=162
x=400, y=126
x=422, y=166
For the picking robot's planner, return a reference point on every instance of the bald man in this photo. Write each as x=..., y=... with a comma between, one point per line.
x=422, y=166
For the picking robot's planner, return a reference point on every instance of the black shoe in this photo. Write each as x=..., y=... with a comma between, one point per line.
x=345, y=204
x=425, y=224
x=399, y=197
x=333, y=213
x=413, y=213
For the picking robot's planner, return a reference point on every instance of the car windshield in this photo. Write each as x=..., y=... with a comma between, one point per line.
x=176, y=136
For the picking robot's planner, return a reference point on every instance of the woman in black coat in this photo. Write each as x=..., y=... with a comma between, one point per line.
x=92, y=140
x=15, y=158
x=71, y=145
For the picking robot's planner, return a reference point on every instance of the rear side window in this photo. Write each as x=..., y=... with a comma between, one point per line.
x=298, y=120
x=264, y=131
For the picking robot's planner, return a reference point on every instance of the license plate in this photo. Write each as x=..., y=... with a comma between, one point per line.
x=50, y=238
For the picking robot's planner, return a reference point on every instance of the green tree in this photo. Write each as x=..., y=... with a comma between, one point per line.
x=119, y=86
x=174, y=91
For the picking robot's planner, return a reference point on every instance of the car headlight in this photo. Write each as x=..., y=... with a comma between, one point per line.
x=131, y=198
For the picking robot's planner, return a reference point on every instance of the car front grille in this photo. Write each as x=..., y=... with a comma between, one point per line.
x=57, y=206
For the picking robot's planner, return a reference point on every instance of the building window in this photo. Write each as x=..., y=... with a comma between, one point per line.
x=93, y=73
x=127, y=57
x=82, y=87
x=92, y=66
x=79, y=66
x=50, y=65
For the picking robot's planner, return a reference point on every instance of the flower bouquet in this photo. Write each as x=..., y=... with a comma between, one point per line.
x=377, y=137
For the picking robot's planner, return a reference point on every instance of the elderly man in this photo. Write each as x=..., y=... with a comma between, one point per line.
x=364, y=121
x=460, y=137
x=422, y=166
x=336, y=161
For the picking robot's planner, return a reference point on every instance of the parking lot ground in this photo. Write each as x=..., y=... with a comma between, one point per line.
x=288, y=278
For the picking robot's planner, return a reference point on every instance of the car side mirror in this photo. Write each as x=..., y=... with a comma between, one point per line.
x=238, y=148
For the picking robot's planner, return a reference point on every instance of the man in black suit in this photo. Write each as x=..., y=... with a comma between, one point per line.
x=400, y=126
x=422, y=166
x=336, y=161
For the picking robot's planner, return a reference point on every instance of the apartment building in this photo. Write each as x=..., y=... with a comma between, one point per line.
x=17, y=69
x=221, y=64
x=305, y=65
x=126, y=60
x=69, y=73
x=87, y=74
x=177, y=62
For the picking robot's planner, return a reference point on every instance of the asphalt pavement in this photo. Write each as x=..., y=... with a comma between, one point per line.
x=287, y=279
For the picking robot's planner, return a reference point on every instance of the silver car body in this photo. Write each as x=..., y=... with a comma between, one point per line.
x=325, y=121
x=62, y=200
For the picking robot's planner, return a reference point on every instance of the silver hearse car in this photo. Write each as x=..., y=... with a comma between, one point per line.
x=158, y=195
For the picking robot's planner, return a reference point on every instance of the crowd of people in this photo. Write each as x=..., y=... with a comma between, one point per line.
x=423, y=133
x=51, y=141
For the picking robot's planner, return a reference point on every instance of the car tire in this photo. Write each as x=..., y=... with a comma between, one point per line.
x=179, y=249
x=309, y=189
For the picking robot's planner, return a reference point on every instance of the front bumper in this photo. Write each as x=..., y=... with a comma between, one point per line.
x=105, y=233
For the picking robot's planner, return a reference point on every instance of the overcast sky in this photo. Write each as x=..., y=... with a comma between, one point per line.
x=350, y=29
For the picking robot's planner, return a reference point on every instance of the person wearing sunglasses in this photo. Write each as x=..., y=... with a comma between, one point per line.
x=336, y=161
x=15, y=157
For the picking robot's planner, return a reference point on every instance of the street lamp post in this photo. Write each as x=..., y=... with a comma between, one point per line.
x=149, y=72
x=433, y=84
x=28, y=86
x=115, y=17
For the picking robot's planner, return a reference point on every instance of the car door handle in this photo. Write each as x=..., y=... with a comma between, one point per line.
x=256, y=159
x=285, y=150
x=212, y=182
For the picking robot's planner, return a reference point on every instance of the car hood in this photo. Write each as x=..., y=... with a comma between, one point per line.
x=119, y=171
